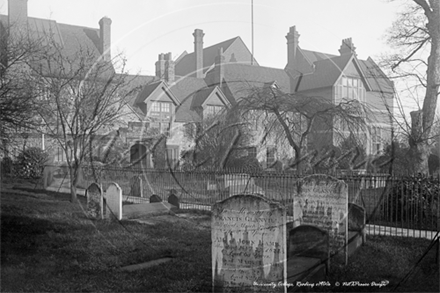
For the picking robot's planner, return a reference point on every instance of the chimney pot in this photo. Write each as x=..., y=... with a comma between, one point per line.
x=105, y=36
x=160, y=66
x=169, y=68
x=198, y=52
x=17, y=14
x=347, y=47
x=292, y=46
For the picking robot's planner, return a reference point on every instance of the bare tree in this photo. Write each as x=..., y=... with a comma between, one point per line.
x=217, y=141
x=16, y=93
x=82, y=95
x=302, y=120
x=415, y=30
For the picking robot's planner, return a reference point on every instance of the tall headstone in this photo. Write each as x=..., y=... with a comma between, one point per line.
x=136, y=187
x=248, y=235
x=113, y=198
x=322, y=201
x=94, y=201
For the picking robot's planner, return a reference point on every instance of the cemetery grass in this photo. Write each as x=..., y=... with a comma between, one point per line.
x=389, y=259
x=48, y=244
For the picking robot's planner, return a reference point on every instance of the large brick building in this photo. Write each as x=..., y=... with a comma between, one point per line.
x=195, y=85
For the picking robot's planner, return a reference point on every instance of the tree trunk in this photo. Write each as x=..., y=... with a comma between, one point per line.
x=73, y=179
x=419, y=148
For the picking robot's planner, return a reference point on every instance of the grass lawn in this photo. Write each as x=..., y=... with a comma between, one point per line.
x=48, y=244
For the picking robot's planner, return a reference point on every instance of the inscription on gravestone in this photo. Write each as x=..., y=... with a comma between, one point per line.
x=94, y=201
x=322, y=201
x=248, y=245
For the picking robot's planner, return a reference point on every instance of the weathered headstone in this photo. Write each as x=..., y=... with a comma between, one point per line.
x=248, y=235
x=113, y=197
x=173, y=199
x=94, y=201
x=322, y=201
x=48, y=171
x=155, y=198
x=136, y=187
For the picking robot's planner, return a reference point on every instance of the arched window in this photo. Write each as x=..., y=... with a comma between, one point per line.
x=139, y=156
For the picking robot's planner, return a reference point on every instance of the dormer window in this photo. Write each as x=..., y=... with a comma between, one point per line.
x=213, y=110
x=350, y=88
x=161, y=110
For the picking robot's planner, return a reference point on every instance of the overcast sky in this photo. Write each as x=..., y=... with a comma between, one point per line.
x=144, y=28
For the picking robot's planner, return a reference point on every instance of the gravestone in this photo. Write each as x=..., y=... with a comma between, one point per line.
x=113, y=198
x=309, y=242
x=94, y=201
x=136, y=187
x=155, y=198
x=248, y=235
x=173, y=199
x=322, y=201
x=48, y=171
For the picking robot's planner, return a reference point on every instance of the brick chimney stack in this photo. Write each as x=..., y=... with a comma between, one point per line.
x=219, y=66
x=105, y=36
x=198, y=52
x=160, y=66
x=347, y=47
x=292, y=46
x=17, y=13
x=169, y=68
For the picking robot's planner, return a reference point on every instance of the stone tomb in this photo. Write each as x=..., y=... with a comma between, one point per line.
x=113, y=200
x=248, y=235
x=94, y=201
x=322, y=201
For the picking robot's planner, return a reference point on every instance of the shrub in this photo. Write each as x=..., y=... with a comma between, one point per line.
x=6, y=165
x=30, y=163
x=413, y=199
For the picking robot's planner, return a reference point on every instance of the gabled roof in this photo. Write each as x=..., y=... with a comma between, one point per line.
x=155, y=87
x=201, y=97
x=187, y=88
x=377, y=80
x=326, y=73
x=185, y=64
x=70, y=40
x=241, y=79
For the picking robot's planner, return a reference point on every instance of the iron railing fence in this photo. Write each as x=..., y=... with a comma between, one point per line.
x=405, y=203
x=409, y=202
